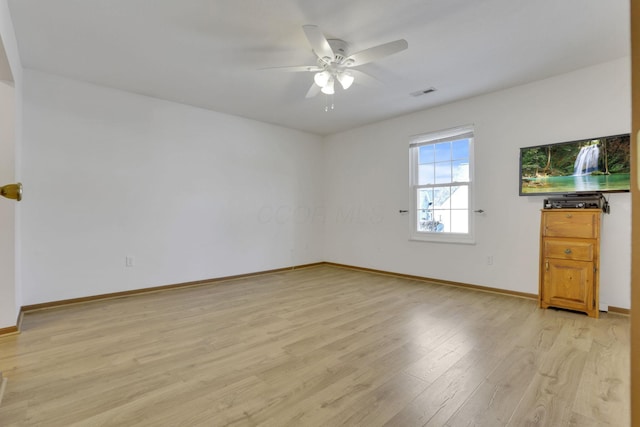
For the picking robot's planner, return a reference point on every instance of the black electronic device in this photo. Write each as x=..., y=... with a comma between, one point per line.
x=578, y=201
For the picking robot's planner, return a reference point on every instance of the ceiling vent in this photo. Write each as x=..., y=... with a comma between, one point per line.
x=423, y=91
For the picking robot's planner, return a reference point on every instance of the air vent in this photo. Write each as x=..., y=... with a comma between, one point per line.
x=423, y=91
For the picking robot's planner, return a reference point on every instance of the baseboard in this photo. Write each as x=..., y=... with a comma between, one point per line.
x=612, y=309
x=619, y=310
x=100, y=297
x=440, y=281
x=10, y=330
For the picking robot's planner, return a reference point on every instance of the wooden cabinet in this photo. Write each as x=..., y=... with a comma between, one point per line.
x=570, y=259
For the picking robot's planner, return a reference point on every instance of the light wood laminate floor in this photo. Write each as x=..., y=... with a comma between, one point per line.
x=319, y=346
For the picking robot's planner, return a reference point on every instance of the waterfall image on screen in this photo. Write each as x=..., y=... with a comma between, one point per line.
x=590, y=165
x=587, y=160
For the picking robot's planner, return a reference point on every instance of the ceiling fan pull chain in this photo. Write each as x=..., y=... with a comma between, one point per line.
x=328, y=107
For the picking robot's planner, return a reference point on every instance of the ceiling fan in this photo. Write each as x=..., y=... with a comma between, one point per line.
x=335, y=63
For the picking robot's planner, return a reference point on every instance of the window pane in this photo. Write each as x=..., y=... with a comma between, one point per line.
x=460, y=149
x=426, y=174
x=443, y=151
x=425, y=198
x=460, y=170
x=425, y=204
x=443, y=172
x=430, y=226
x=460, y=197
x=425, y=210
x=426, y=154
x=441, y=220
x=459, y=221
x=442, y=198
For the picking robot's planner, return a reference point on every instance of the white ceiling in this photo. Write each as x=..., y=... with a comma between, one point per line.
x=208, y=53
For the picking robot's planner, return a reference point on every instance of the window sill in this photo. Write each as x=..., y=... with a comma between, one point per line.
x=462, y=239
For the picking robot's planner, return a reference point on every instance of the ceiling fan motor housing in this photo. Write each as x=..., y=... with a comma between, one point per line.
x=340, y=50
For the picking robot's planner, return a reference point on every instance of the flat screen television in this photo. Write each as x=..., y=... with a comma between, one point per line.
x=585, y=166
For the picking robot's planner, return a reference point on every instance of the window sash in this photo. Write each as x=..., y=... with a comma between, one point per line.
x=414, y=165
x=449, y=208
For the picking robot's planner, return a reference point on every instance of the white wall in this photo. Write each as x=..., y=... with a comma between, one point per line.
x=189, y=193
x=10, y=134
x=366, y=184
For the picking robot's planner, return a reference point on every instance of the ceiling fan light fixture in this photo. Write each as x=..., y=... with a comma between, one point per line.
x=346, y=79
x=322, y=78
x=328, y=89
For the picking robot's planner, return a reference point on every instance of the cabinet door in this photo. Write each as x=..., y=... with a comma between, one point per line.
x=568, y=284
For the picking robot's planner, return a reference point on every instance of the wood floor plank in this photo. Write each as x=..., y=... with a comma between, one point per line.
x=521, y=352
x=317, y=346
x=548, y=398
x=443, y=397
x=607, y=358
x=494, y=401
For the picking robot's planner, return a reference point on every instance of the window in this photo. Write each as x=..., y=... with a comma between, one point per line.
x=441, y=186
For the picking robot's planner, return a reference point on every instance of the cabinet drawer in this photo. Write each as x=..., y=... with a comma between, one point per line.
x=569, y=249
x=570, y=224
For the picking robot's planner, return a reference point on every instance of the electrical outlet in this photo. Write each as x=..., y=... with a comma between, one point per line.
x=490, y=260
x=129, y=261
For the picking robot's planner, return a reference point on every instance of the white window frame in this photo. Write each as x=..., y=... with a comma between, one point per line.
x=453, y=134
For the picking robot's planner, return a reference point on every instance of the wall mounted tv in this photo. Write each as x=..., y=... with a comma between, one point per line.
x=585, y=166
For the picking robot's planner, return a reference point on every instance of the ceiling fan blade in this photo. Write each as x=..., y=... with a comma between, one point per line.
x=377, y=52
x=365, y=79
x=313, y=91
x=318, y=42
x=295, y=68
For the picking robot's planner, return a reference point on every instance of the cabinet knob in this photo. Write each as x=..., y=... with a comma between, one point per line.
x=567, y=251
x=569, y=215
